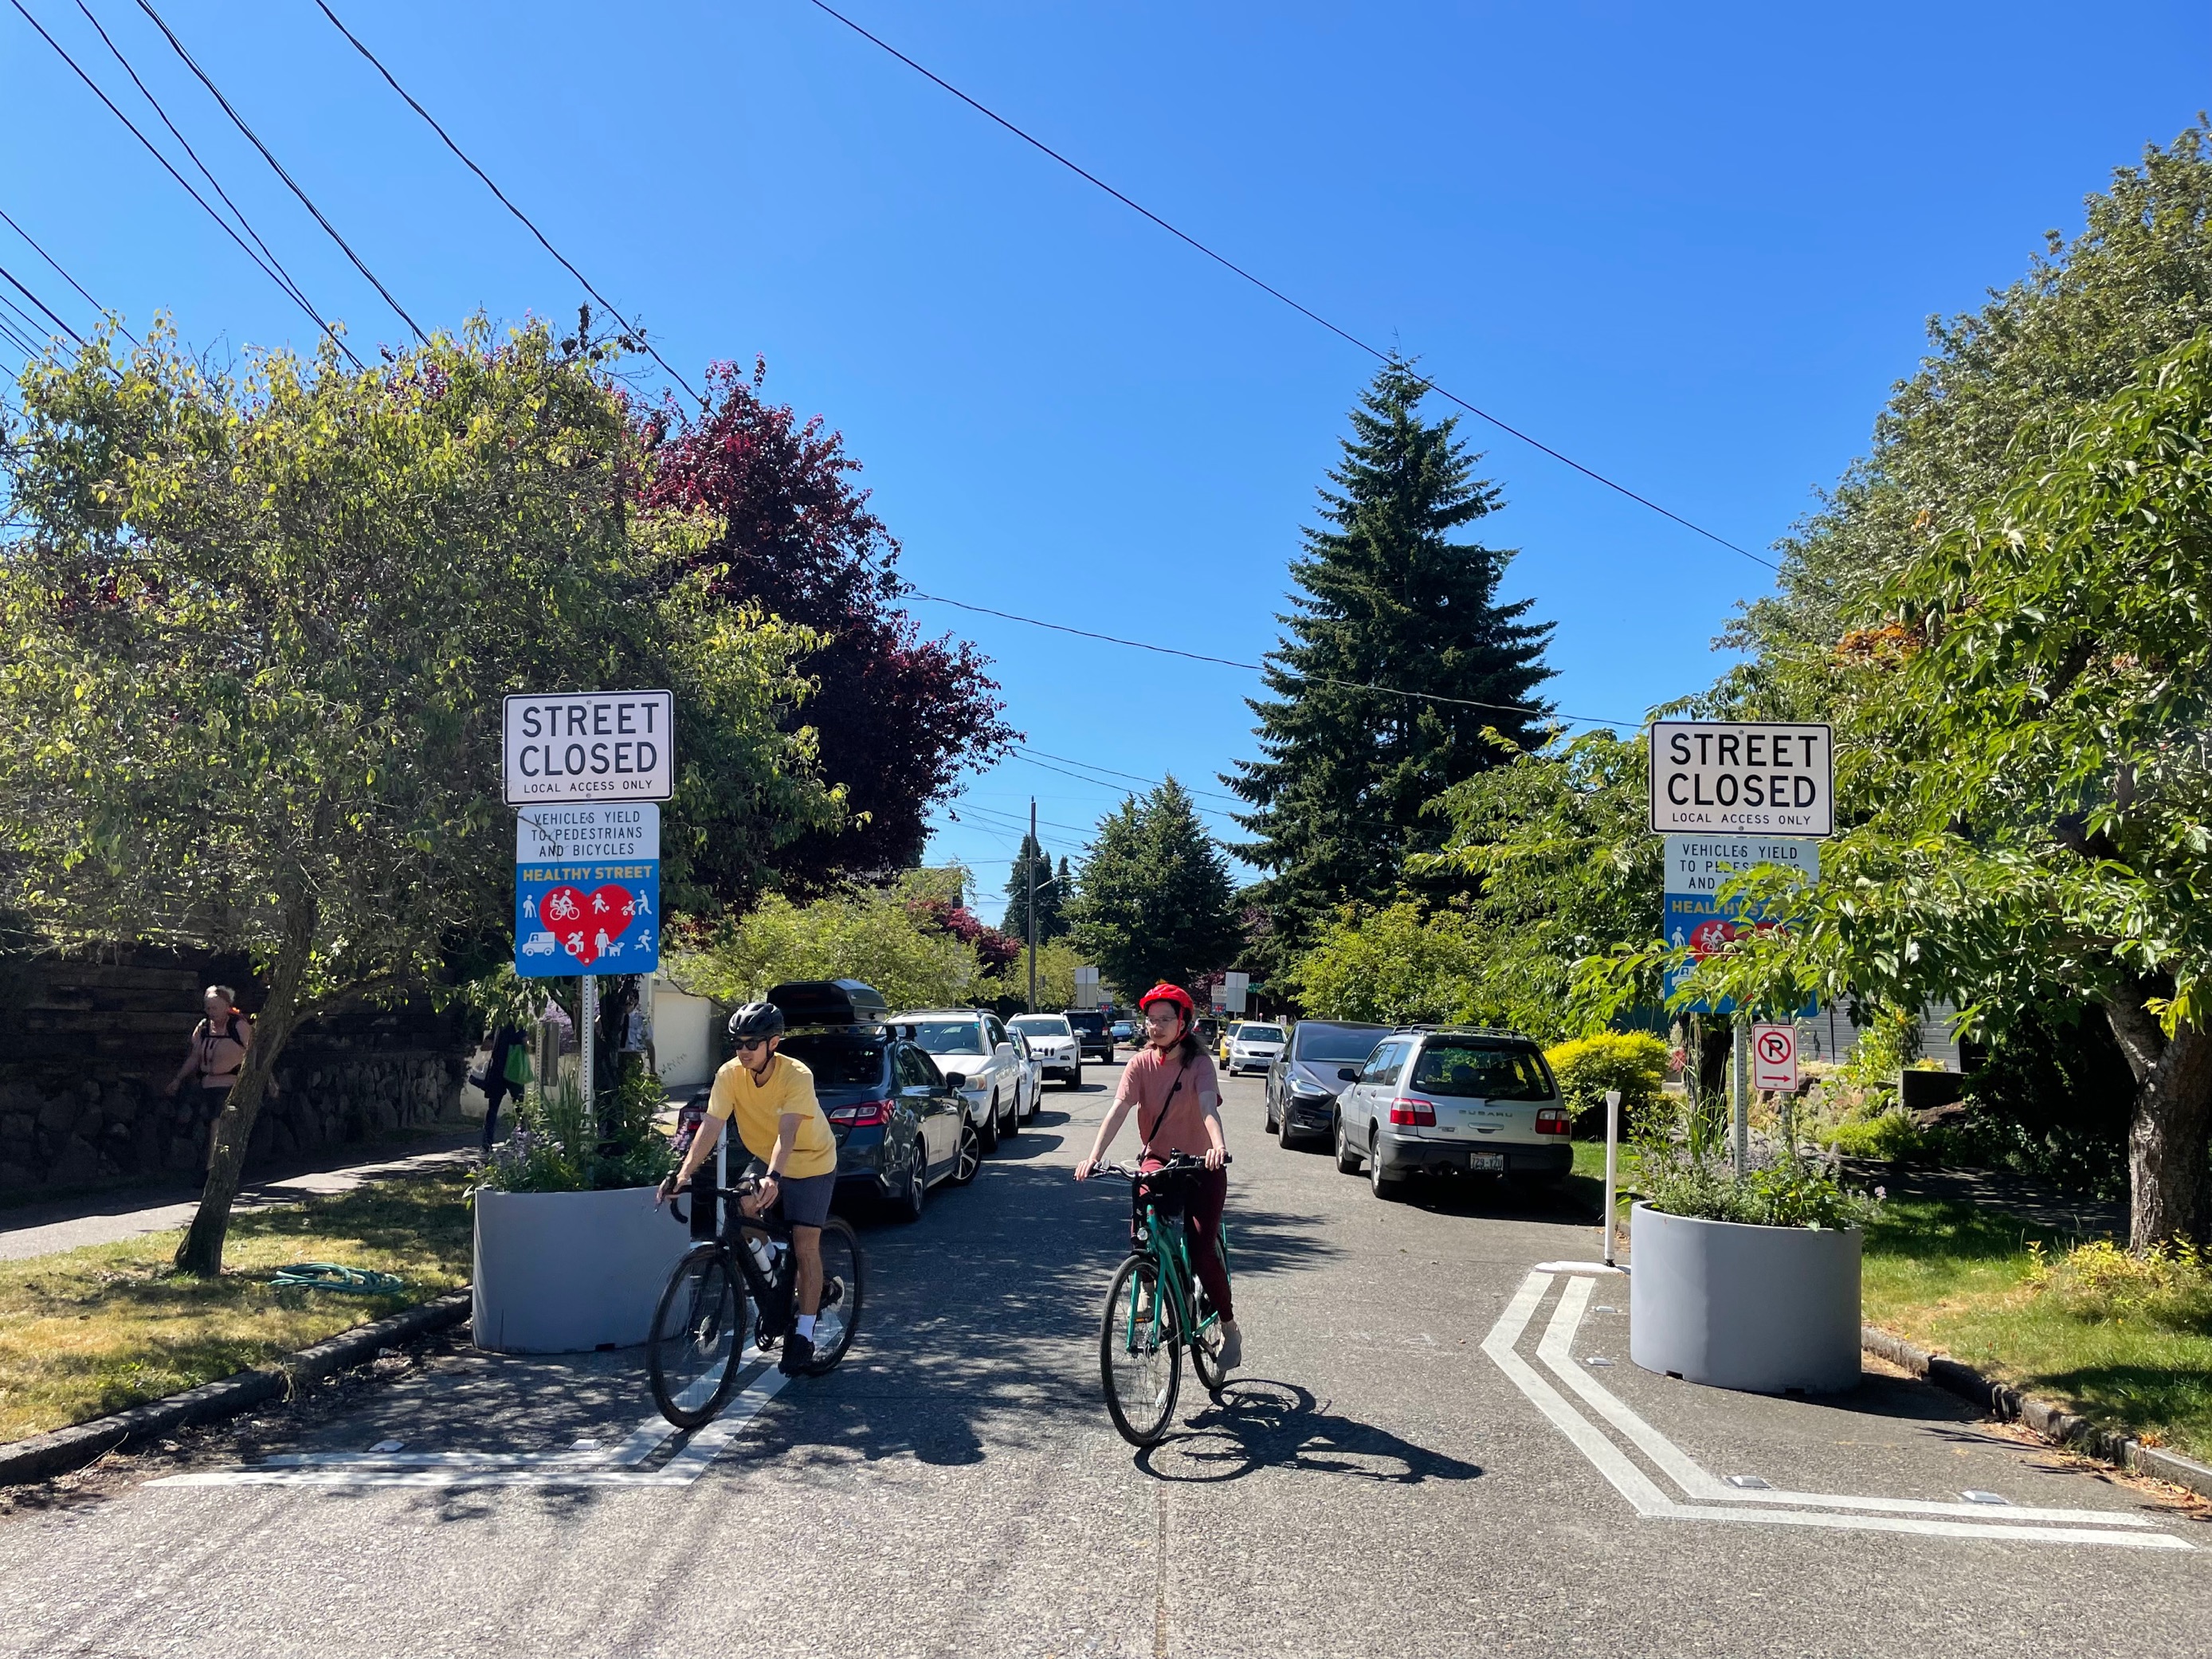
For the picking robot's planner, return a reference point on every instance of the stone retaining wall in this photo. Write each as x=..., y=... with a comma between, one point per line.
x=89, y=1046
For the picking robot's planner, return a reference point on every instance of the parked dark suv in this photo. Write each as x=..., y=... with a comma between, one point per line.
x=901, y=1127
x=1090, y=1031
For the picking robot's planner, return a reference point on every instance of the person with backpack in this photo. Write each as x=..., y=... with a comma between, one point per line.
x=216, y=1054
x=504, y=1073
x=1171, y=1089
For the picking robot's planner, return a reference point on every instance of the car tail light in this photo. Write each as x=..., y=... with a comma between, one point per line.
x=1420, y=1113
x=1552, y=1121
x=868, y=1114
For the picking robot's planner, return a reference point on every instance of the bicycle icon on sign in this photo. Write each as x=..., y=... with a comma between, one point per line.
x=561, y=907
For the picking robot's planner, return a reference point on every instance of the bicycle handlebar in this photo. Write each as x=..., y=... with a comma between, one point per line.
x=1180, y=1163
x=746, y=1185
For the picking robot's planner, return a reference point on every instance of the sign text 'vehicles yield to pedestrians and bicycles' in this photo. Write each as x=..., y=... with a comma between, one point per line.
x=1756, y=776
x=589, y=746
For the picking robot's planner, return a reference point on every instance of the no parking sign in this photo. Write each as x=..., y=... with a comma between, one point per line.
x=1774, y=1057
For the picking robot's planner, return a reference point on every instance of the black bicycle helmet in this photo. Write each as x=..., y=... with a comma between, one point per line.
x=756, y=1020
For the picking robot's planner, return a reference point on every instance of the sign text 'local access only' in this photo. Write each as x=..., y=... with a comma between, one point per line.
x=1756, y=776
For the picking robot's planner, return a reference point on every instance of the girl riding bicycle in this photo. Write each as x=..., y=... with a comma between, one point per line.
x=1172, y=1088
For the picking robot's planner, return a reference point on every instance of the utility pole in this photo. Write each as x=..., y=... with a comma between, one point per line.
x=1030, y=858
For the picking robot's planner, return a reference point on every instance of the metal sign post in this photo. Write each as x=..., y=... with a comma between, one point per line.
x=586, y=1032
x=1611, y=1166
x=1741, y=1078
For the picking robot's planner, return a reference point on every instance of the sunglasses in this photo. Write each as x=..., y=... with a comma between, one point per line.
x=746, y=1044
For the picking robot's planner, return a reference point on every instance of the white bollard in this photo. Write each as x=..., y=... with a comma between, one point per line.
x=1612, y=1164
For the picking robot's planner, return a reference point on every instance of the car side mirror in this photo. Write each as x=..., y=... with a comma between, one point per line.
x=1347, y=1073
x=956, y=1080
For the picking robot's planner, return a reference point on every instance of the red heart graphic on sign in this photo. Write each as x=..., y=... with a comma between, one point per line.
x=586, y=923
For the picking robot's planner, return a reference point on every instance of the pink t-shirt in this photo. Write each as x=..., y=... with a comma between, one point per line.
x=1150, y=1081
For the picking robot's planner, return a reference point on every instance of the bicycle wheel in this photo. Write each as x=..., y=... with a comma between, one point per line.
x=698, y=1331
x=844, y=1278
x=1139, y=1353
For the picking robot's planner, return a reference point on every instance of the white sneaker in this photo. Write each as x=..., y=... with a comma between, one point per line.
x=1232, y=1346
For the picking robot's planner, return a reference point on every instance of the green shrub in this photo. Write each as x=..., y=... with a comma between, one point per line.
x=1677, y=1178
x=1890, y=1136
x=1634, y=1062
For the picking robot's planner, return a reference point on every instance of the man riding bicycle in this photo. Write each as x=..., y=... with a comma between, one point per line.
x=1172, y=1088
x=771, y=1097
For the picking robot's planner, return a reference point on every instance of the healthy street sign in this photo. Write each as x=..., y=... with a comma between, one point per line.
x=589, y=746
x=1719, y=777
x=586, y=890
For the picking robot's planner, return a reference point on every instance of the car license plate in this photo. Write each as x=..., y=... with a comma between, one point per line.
x=1493, y=1163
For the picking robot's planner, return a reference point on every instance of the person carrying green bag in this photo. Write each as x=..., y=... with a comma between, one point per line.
x=506, y=1073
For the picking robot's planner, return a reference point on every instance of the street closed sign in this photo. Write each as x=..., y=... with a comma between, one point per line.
x=589, y=746
x=1774, y=1057
x=1710, y=777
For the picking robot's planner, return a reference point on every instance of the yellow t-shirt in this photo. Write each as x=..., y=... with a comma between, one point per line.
x=756, y=1107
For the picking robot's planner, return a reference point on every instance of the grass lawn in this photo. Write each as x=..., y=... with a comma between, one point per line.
x=1962, y=1279
x=91, y=1331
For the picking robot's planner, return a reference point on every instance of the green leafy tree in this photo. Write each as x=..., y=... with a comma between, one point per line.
x=256, y=634
x=1051, y=895
x=2022, y=744
x=1056, y=965
x=2136, y=281
x=1387, y=597
x=1398, y=965
x=1155, y=901
x=889, y=937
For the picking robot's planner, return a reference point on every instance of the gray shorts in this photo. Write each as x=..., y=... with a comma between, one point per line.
x=803, y=1200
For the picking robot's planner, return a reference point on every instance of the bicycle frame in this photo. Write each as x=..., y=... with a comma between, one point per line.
x=1170, y=1248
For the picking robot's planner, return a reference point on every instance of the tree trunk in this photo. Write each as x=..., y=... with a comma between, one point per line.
x=201, y=1253
x=2170, y=1138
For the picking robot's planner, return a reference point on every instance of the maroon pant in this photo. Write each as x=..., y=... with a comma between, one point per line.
x=1203, y=1194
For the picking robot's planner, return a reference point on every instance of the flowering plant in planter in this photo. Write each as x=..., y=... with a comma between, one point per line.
x=555, y=1151
x=1779, y=1190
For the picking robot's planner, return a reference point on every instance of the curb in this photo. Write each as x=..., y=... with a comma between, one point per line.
x=2054, y=1423
x=45, y=1455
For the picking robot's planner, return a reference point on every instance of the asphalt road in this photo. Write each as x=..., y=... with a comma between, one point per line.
x=1376, y=1483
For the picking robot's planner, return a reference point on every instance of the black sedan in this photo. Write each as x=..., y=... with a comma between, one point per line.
x=901, y=1126
x=1303, y=1084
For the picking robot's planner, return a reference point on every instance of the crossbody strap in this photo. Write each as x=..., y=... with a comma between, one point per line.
x=1162, y=1116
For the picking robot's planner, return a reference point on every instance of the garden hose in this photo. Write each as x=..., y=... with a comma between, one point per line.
x=330, y=1276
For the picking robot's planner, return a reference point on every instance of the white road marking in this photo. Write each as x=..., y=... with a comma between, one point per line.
x=618, y=1467
x=1716, y=1501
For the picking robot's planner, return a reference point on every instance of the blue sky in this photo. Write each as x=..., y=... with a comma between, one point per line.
x=1691, y=250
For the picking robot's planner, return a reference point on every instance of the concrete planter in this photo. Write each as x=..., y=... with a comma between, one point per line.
x=567, y=1273
x=1767, y=1309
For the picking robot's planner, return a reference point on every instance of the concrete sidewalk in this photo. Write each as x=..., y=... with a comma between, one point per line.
x=43, y=1228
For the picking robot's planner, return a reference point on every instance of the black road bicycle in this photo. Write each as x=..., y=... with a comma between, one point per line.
x=699, y=1327
x=1157, y=1307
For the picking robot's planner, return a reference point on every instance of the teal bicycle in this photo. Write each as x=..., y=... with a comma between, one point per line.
x=1155, y=1309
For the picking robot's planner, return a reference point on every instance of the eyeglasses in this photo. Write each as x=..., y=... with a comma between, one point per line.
x=746, y=1044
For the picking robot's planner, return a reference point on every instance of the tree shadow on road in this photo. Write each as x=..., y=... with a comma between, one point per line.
x=1255, y=1423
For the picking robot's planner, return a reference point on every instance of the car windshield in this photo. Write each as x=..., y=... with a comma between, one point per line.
x=1324, y=1044
x=1481, y=1071
x=839, y=1060
x=1260, y=1034
x=951, y=1037
x=1041, y=1024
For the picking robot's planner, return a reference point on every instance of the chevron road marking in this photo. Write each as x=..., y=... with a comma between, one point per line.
x=1716, y=1501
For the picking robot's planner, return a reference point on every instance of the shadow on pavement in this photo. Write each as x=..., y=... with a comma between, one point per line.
x=1255, y=1424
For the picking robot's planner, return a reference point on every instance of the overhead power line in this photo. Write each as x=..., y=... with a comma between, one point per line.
x=1134, y=777
x=1102, y=783
x=52, y=316
x=168, y=166
x=64, y=274
x=274, y=265
x=1311, y=315
x=239, y=121
x=1261, y=668
x=636, y=332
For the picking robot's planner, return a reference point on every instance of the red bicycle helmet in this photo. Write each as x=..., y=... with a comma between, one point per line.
x=1165, y=992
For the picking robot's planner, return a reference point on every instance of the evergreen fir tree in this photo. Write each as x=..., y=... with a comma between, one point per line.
x=1157, y=902
x=1051, y=899
x=1388, y=599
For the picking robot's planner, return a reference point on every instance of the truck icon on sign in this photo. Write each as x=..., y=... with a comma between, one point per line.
x=539, y=944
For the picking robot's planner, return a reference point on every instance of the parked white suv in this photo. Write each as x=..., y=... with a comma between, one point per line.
x=1254, y=1046
x=994, y=1074
x=1053, y=1042
x=1483, y=1103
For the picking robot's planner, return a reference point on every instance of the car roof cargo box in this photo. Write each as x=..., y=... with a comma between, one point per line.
x=830, y=1002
